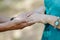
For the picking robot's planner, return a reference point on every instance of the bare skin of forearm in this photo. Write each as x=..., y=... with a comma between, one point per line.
x=51, y=20
x=12, y=25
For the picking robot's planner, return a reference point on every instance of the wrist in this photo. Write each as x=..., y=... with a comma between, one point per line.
x=45, y=19
x=57, y=23
x=51, y=19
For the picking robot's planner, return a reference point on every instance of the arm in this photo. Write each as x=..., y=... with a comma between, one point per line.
x=7, y=25
x=13, y=25
x=51, y=20
x=19, y=22
x=42, y=18
x=4, y=19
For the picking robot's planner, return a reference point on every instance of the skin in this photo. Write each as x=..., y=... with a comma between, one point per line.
x=23, y=20
x=13, y=26
x=42, y=18
x=19, y=22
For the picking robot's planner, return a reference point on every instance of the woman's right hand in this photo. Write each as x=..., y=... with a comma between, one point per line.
x=22, y=17
x=38, y=18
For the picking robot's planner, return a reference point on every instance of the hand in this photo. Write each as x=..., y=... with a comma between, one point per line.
x=22, y=17
x=37, y=17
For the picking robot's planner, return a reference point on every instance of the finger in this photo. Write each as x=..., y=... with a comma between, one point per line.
x=23, y=25
x=40, y=10
x=32, y=22
x=29, y=13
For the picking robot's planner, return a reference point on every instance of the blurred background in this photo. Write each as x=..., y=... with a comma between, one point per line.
x=11, y=8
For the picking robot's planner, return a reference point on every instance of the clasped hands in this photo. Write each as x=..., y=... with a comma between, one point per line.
x=30, y=18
